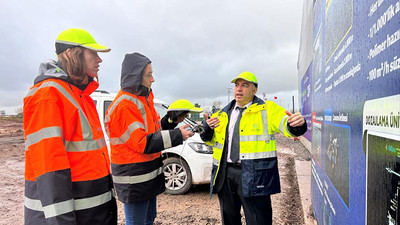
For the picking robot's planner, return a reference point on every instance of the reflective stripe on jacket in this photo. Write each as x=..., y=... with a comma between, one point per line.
x=137, y=140
x=67, y=167
x=257, y=146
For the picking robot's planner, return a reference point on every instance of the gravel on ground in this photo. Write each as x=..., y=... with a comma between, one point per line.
x=195, y=207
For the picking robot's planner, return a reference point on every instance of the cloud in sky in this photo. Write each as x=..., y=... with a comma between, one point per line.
x=197, y=47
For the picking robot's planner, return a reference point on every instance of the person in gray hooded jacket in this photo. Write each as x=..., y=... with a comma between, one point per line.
x=67, y=169
x=136, y=140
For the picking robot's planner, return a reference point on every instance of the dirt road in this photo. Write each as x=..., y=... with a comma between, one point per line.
x=192, y=208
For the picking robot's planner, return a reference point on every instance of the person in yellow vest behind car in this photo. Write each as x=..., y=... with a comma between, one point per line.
x=245, y=167
x=178, y=111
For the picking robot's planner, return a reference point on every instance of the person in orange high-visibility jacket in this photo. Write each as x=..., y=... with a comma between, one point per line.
x=67, y=167
x=136, y=140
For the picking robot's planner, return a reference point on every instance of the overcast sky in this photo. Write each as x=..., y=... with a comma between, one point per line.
x=196, y=47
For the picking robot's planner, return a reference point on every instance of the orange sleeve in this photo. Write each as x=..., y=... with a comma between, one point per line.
x=45, y=151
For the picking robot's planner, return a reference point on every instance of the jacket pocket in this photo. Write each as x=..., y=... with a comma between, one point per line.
x=266, y=177
x=218, y=129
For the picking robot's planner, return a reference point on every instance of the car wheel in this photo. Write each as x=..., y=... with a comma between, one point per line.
x=178, y=178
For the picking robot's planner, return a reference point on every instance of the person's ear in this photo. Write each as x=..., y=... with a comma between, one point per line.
x=68, y=52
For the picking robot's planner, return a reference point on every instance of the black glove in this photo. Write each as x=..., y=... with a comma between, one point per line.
x=166, y=124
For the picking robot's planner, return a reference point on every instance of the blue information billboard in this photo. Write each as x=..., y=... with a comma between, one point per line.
x=306, y=101
x=354, y=103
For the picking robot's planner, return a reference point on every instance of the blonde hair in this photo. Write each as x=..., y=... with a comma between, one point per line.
x=73, y=63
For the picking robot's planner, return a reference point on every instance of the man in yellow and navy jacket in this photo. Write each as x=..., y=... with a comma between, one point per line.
x=245, y=166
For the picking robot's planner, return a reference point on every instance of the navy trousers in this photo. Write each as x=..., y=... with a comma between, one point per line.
x=257, y=210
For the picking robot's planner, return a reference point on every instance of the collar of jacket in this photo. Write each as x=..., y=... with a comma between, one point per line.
x=149, y=96
x=90, y=88
x=256, y=100
x=138, y=91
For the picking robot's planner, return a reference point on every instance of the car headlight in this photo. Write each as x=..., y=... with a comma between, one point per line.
x=201, y=147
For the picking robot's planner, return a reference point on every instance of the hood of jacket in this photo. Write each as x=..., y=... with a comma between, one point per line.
x=131, y=74
x=51, y=70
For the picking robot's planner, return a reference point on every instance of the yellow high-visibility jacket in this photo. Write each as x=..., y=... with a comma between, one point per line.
x=259, y=122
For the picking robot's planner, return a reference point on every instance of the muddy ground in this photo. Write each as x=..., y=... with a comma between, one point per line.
x=194, y=207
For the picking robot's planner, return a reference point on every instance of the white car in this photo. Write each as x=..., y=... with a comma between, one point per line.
x=184, y=165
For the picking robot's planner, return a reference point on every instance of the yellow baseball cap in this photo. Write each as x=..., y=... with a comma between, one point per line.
x=184, y=105
x=246, y=76
x=78, y=37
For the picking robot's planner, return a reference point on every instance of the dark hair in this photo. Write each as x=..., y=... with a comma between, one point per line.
x=73, y=64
